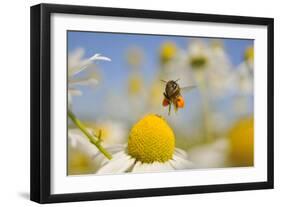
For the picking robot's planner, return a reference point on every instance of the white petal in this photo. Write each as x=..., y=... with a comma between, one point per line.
x=86, y=81
x=99, y=57
x=73, y=140
x=210, y=155
x=79, y=141
x=181, y=153
x=101, y=159
x=73, y=136
x=74, y=92
x=140, y=167
x=152, y=167
x=86, y=63
x=180, y=163
x=74, y=71
x=120, y=162
x=114, y=148
x=118, y=133
x=74, y=58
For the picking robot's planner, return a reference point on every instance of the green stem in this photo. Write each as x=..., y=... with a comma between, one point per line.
x=81, y=126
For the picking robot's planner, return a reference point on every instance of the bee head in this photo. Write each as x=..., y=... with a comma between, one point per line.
x=172, y=88
x=173, y=84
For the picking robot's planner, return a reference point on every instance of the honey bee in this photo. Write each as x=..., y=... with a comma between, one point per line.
x=172, y=95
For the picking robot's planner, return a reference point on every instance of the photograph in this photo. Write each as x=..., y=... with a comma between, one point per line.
x=129, y=103
x=149, y=103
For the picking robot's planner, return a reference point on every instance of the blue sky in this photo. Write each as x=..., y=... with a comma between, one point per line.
x=115, y=73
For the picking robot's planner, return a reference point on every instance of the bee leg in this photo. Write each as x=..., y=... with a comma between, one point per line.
x=165, y=96
x=169, y=113
x=176, y=109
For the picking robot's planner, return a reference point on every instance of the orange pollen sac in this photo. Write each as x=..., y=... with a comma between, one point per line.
x=180, y=102
x=165, y=102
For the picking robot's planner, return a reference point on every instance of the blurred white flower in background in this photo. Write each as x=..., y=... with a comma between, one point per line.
x=80, y=153
x=244, y=73
x=78, y=141
x=76, y=64
x=210, y=155
x=245, y=88
x=216, y=80
x=244, y=79
x=211, y=67
x=111, y=134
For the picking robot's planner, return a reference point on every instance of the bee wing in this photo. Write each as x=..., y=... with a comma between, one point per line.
x=188, y=88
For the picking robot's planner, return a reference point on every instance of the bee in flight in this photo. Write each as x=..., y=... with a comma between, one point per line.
x=172, y=95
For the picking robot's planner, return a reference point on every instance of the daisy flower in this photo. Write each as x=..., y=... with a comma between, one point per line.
x=198, y=55
x=245, y=72
x=76, y=64
x=79, y=162
x=210, y=155
x=167, y=52
x=245, y=79
x=135, y=85
x=241, y=138
x=110, y=134
x=150, y=148
x=211, y=67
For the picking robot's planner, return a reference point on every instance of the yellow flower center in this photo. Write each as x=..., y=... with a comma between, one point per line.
x=135, y=85
x=168, y=52
x=249, y=54
x=151, y=139
x=216, y=44
x=242, y=142
x=79, y=163
x=198, y=61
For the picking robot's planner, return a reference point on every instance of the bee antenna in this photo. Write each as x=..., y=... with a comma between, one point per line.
x=177, y=80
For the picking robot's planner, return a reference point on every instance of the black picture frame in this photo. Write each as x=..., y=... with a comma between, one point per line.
x=41, y=102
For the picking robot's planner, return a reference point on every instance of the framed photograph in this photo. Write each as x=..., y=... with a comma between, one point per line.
x=133, y=103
